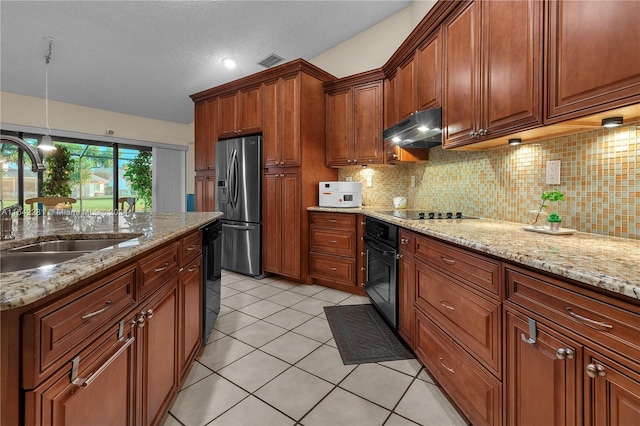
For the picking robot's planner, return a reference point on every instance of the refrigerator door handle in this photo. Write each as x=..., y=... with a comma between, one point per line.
x=235, y=169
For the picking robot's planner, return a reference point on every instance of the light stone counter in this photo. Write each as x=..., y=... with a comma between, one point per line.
x=148, y=230
x=606, y=262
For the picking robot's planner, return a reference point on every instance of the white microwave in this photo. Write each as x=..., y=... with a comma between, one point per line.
x=340, y=194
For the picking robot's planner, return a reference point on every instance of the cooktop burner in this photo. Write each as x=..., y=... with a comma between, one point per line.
x=419, y=215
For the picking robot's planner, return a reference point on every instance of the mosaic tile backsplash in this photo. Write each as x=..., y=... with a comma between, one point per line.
x=599, y=177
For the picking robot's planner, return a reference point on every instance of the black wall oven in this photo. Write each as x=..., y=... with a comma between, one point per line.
x=382, y=266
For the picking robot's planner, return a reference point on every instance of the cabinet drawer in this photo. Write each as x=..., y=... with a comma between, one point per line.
x=473, y=320
x=341, y=242
x=108, y=365
x=334, y=220
x=155, y=269
x=611, y=326
x=54, y=331
x=407, y=241
x=477, y=393
x=190, y=247
x=476, y=270
x=333, y=268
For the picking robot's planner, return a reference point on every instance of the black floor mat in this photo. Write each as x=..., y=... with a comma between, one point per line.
x=362, y=336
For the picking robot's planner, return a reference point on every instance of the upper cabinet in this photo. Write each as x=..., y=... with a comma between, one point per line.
x=240, y=112
x=493, y=70
x=594, y=57
x=429, y=72
x=354, y=121
x=406, y=89
x=281, y=132
x=205, y=134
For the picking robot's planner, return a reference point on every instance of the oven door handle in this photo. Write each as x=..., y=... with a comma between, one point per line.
x=371, y=243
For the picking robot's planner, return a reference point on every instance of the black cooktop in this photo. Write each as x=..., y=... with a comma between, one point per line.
x=424, y=215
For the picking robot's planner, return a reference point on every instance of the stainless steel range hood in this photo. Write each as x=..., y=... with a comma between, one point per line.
x=422, y=129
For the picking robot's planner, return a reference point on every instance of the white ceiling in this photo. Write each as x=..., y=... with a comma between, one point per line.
x=146, y=57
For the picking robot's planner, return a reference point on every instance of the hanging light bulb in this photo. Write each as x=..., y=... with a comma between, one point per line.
x=46, y=144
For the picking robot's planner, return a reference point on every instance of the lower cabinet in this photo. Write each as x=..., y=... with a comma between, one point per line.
x=157, y=353
x=334, y=260
x=85, y=392
x=542, y=371
x=114, y=355
x=190, y=292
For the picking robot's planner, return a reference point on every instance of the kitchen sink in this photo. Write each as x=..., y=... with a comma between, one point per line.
x=69, y=245
x=15, y=261
x=47, y=253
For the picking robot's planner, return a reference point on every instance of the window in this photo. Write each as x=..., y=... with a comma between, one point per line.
x=97, y=179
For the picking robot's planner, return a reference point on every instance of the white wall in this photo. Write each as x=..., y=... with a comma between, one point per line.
x=30, y=112
x=373, y=47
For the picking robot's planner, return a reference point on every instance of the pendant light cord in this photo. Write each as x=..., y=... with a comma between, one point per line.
x=46, y=97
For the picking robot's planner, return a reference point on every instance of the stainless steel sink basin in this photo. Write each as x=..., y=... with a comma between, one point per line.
x=16, y=261
x=69, y=245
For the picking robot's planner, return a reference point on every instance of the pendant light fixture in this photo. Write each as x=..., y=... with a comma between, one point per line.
x=46, y=144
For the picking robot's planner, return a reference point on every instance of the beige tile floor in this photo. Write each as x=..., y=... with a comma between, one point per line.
x=271, y=360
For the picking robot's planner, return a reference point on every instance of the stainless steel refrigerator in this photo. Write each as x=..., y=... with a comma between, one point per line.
x=239, y=197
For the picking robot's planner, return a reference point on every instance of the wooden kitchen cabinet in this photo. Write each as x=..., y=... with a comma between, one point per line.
x=281, y=132
x=281, y=223
x=206, y=134
x=406, y=287
x=407, y=89
x=543, y=374
x=240, y=113
x=157, y=324
x=602, y=334
x=190, y=295
x=101, y=396
x=592, y=64
x=333, y=258
x=493, y=68
x=205, y=191
x=354, y=121
x=429, y=72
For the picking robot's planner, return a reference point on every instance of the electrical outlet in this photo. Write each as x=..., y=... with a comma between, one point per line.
x=413, y=181
x=349, y=179
x=369, y=180
x=553, y=172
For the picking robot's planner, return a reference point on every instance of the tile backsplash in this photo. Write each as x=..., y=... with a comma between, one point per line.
x=599, y=177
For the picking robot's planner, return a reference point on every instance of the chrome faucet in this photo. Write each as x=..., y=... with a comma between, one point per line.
x=6, y=222
x=36, y=162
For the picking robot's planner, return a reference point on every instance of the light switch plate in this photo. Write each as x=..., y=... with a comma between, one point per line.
x=553, y=172
x=369, y=180
x=413, y=181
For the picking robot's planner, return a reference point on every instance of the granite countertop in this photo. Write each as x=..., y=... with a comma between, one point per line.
x=147, y=230
x=606, y=262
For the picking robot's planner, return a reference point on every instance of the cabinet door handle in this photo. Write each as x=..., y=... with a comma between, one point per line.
x=192, y=247
x=588, y=321
x=596, y=370
x=563, y=353
x=348, y=161
x=164, y=266
x=533, y=333
x=332, y=220
x=192, y=268
x=98, y=312
x=75, y=363
x=355, y=160
x=473, y=134
x=482, y=132
x=149, y=313
x=332, y=269
x=447, y=260
x=451, y=370
x=332, y=241
x=363, y=269
x=446, y=305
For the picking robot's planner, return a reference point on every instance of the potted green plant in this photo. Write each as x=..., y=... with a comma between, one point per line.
x=139, y=174
x=538, y=217
x=57, y=182
x=554, y=221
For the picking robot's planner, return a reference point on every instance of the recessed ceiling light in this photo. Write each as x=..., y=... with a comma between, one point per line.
x=612, y=122
x=229, y=63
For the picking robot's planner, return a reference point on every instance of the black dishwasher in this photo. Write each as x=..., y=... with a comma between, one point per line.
x=211, y=276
